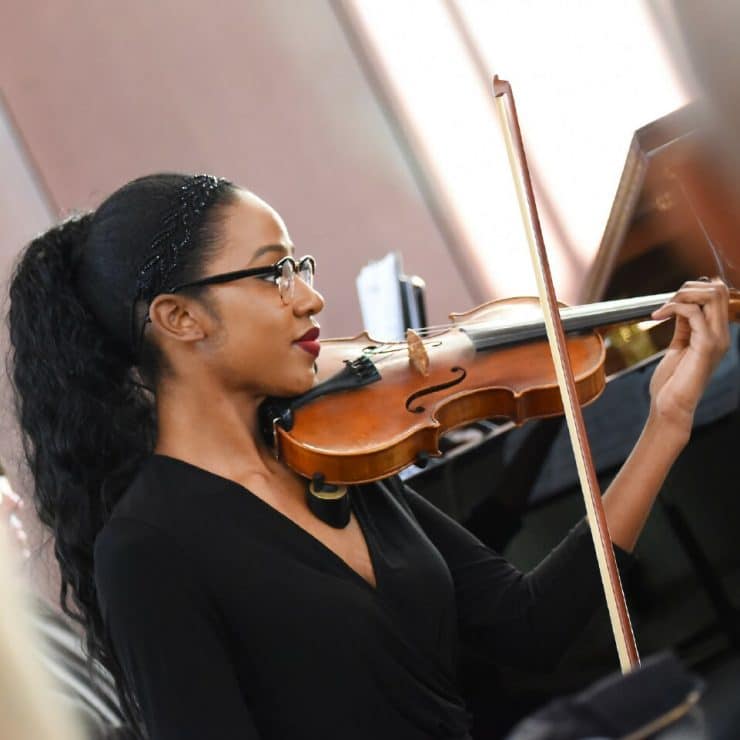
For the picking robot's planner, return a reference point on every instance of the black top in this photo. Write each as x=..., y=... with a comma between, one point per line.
x=231, y=621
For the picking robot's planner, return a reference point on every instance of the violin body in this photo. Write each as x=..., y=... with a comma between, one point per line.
x=368, y=433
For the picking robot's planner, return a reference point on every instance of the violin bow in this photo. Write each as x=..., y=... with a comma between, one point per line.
x=618, y=614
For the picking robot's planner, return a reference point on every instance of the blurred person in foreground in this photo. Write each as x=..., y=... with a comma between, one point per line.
x=30, y=706
x=82, y=688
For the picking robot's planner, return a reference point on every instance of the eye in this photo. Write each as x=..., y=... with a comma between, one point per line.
x=272, y=279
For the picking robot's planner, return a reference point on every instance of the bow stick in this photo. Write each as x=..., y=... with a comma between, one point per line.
x=618, y=614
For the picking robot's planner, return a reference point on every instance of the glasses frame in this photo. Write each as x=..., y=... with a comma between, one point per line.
x=275, y=270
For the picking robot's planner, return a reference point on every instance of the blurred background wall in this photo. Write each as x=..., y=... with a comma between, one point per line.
x=266, y=93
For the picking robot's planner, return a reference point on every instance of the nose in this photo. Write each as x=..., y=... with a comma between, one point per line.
x=306, y=300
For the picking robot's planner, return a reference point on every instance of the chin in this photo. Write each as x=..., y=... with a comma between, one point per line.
x=296, y=385
x=309, y=381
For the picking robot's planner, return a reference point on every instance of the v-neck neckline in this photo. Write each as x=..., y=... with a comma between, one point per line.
x=364, y=526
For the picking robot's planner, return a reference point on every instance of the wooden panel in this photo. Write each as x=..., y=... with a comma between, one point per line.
x=675, y=217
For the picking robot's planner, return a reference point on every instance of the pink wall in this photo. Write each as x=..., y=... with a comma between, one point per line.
x=266, y=93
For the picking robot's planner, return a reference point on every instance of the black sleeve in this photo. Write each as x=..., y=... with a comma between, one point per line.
x=167, y=636
x=517, y=619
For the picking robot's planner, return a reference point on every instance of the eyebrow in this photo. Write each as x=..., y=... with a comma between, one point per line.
x=284, y=248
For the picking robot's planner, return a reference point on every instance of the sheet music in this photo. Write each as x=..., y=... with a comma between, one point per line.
x=380, y=298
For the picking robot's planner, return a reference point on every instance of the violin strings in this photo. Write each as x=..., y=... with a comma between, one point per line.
x=602, y=311
x=597, y=310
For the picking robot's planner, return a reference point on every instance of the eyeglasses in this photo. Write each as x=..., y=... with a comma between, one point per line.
x=282, y=274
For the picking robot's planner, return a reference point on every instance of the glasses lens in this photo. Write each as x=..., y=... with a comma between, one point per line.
x=306, y=271
x=286, y=281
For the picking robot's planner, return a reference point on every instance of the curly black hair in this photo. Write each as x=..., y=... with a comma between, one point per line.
x=83, y=400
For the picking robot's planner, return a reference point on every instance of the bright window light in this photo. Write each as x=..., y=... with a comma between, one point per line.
x=585, y=75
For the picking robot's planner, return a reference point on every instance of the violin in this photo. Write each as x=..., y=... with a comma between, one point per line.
x=378, y=407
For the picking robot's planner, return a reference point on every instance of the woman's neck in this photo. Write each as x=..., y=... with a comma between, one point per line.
x=213, y=430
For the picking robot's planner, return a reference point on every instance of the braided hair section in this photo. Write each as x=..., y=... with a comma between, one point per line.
x=171, y=243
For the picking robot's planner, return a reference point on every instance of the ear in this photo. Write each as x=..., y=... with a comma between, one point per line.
x=177, y=318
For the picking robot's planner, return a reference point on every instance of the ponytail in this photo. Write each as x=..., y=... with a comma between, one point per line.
x=87, y=422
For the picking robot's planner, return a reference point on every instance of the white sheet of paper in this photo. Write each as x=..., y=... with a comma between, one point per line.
x=379, y=292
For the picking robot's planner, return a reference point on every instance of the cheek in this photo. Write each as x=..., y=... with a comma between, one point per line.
x=258, y=355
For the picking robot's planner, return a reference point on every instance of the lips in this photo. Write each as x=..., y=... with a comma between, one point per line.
x=310, y=336
x=309, y=341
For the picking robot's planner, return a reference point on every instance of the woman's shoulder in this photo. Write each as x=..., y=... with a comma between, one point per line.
x=140, y=527
x=140, y=569
x=129, y=554
x=129, y=541
x=171, y=515
x=164, y=493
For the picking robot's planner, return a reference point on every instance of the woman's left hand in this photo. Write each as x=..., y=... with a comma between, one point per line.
x=700, y=339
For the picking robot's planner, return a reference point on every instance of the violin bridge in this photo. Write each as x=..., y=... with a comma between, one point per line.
x=418, y=356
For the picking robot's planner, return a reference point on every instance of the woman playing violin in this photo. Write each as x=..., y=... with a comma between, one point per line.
x=145, y=336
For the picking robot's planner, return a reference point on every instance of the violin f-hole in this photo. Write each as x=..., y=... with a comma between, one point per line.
x=461, y=375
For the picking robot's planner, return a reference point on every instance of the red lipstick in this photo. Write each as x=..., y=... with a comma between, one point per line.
x=310, y=341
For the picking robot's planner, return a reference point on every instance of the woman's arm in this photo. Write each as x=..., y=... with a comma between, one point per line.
x=528, y=619
x=513, y=618
x=700, y=339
